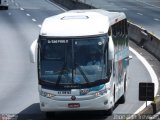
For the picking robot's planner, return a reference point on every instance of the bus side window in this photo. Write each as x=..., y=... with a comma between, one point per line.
x=114, y=30
x=125, y=31
x=123, y=28
x=110, y=31
x=114, y=33
x=107, y=65
x=126, y=26
x=118, y=28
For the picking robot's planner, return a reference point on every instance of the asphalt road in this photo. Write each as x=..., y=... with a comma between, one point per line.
x=19, y=26
x=145, y=13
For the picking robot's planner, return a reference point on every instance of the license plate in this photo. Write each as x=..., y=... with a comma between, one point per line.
x=73, y=105
x=64, y=92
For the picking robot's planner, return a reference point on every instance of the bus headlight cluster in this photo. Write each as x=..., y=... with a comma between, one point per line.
x=100, y=93
x=48, y=95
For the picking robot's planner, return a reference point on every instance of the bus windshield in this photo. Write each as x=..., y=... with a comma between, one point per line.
x=72, y=60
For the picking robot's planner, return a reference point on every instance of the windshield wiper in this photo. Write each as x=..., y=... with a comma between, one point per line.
x=60, y=74
x=82, y=72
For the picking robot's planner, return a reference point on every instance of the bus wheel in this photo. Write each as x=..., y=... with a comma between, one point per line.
x=107, y=113
x=123, y=97
x=50, y=115
x=110, y=111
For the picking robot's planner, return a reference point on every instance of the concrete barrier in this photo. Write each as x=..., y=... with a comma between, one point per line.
x=145, y=39
x=152, y=44
x=136, y=33
x=73, y=4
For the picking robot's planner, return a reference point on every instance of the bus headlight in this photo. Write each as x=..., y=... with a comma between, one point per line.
x=48, y=95
x=101, y=92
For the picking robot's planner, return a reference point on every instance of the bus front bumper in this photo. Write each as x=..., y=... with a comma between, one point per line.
x=103, y=102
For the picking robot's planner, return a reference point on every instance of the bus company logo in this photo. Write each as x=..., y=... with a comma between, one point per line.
x=73, y=98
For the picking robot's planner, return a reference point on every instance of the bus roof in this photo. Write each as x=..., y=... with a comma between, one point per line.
x=80, y=23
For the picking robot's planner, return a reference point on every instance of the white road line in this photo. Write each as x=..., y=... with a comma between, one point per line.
x=9, y=14
x=152, y=74
x=28, y=14
x=40, y=26
x=34, y=20
x=148, y=4
x=16, y=4
x=124, y=8
x=21, y=8
x=139, y=14
x=156, y=19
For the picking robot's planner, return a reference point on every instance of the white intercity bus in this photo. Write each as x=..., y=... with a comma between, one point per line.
x=4, y=4
x=82, y=59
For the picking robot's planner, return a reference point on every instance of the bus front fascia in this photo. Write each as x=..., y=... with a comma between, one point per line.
x=51, y=85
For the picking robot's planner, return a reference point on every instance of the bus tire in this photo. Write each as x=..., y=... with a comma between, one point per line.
x=108, y=112
x=123, y=97
x=50, y=115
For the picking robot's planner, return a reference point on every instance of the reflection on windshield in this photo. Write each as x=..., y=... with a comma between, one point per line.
x=72, y=61
x=89, y=57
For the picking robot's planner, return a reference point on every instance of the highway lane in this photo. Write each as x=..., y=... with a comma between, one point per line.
x=18, y=88
x=145, y=13
x=15, y=67
x=38, y=10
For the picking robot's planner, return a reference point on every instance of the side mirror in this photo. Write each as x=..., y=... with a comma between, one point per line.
x=128, y=58
x=33, y=51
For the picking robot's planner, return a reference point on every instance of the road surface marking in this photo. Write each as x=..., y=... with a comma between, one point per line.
x=21, y=8
x=9, y=14
x=40, y=26
x=156, y=19
x=152, y=74
x=124, y=8
x=139, y=14
x=28, y=14
x=16, y=4
x=34, y=20
x=148, y=4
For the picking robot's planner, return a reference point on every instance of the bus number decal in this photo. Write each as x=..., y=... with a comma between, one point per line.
x=57, y=41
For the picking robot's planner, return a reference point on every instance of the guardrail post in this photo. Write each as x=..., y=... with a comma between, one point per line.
x=154, y=107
